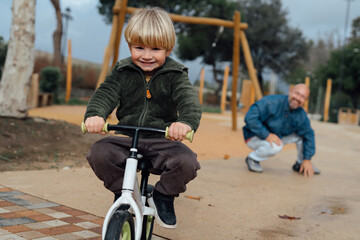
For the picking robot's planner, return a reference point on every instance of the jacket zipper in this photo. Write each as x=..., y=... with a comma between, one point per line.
x=142, y=116
x=146, y=99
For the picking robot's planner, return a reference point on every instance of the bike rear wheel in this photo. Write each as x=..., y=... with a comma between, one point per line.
x=121, y=226
x=148, y=220
x=148, y=226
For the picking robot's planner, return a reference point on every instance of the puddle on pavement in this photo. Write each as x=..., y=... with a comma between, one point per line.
x=333, y=210
x=276, y=233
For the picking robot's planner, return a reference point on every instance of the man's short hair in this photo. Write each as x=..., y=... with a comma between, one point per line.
x=151, y=27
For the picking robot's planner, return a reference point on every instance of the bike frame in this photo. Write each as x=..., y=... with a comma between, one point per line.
x=130, y=194
x=131, y=198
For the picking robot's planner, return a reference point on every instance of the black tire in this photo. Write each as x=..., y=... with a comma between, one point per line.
x=121, y=226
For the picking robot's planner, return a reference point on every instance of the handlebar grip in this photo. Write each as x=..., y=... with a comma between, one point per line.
x=189, y=136
x=84, y=130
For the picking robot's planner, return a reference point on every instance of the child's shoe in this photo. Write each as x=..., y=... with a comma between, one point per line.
x=164, y=210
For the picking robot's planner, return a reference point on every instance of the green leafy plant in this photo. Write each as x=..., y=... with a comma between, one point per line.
x=210, y=109
x=50, y=79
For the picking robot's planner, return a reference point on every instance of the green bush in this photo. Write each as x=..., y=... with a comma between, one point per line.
x=211, y=109
x=50, y=80
x=338, y=100
x=73, y=101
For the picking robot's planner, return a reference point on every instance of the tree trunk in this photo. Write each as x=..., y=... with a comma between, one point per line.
x=57, y=61
x=260, y=78
x=19, y=64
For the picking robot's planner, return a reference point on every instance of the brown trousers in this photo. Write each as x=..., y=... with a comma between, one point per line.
x=176, y=162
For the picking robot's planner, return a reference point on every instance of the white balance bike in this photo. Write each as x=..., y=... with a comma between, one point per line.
x=135, y=200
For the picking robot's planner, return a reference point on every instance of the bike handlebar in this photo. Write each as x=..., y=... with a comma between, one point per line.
x=107, y=127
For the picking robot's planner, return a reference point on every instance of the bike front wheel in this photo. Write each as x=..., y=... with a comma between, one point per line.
x=121, y=226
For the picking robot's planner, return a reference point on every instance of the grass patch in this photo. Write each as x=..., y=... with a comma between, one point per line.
x=9, y=155
x=210, y=109
x=5, y=158
x=73, y=101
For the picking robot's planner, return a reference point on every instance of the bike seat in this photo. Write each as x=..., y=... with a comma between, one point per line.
x=144, y=164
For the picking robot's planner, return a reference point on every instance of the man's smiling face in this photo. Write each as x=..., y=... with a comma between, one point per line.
x=298, y=95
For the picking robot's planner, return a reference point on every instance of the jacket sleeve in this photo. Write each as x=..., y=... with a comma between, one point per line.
x=255, y=117
x=187, y=101
x=307, y=133
x=106, y=97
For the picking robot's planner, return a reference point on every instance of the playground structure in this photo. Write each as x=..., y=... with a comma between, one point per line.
x=348, y=116
x=250, y=88
x=120, y=10
x=223, y=91
x=68, y=73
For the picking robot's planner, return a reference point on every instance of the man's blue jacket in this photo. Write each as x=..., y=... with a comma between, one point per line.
x=272, y=114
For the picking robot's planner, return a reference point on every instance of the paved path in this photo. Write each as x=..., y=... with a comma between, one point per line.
x=23, y=216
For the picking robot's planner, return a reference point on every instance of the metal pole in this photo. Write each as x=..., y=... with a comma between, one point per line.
x=344, y=44
x=67, y=17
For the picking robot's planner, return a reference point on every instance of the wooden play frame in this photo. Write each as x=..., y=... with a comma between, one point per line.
x=120, y=10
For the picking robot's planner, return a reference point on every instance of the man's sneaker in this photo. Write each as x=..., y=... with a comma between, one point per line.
x=253, y=165
x=296, y=168
x=164, y=210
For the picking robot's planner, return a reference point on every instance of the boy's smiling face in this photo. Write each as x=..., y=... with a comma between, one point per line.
x=148, y=58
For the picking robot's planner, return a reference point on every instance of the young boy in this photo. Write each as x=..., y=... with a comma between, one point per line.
x=150, y=89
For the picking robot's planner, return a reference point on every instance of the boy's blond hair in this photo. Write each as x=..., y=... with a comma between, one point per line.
x=151, y=27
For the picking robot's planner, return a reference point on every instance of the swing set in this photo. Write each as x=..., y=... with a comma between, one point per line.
x=120, y=10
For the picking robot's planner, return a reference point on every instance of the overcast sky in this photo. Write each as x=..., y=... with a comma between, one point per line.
x=90, y=35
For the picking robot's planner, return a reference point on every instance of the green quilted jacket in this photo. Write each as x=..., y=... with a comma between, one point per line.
x=168, y=97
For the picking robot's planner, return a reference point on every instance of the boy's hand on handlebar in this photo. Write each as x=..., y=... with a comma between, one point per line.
x=95, y=124
x=178, y=130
